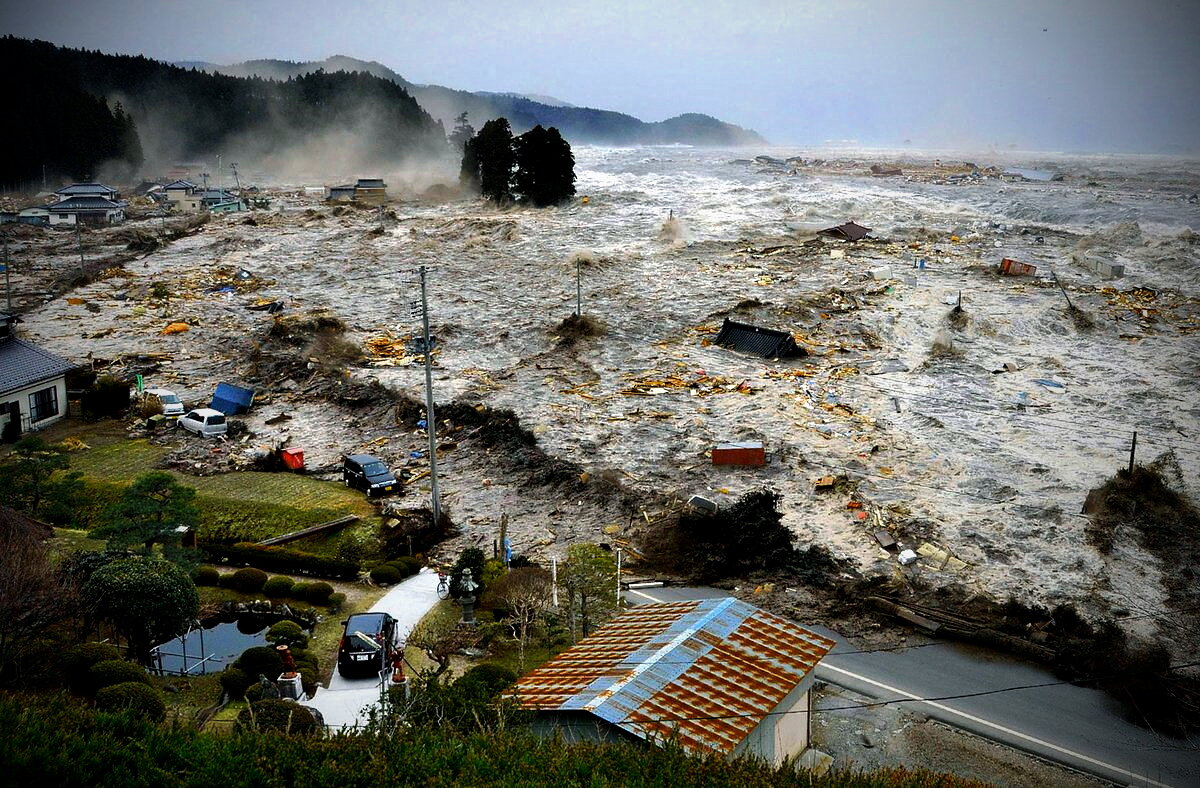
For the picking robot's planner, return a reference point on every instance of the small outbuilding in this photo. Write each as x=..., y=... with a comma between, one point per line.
x=38, y=215
x=765, y=342
x=716, y=676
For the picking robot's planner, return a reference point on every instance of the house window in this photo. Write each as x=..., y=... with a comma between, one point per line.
x=43, y=404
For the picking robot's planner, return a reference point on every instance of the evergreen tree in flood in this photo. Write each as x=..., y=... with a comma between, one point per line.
x=493, y=150
x=545, y=167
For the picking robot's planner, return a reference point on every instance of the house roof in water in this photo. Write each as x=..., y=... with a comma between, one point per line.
x=850, y=231
x=74, y=204
x=765, y=342
x=708, y=671
x=23, y=364
x=86, y=188
x=370, y=183
x=180, y=184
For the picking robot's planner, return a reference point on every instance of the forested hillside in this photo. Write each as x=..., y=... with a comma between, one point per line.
x=59, y=96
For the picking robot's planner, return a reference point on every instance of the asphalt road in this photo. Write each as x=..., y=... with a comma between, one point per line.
x=1078, y=727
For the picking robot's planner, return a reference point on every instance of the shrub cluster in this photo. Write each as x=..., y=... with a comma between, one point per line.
x=276, y=714
x=391, y=572
x=114, y=671
x=279, y=559
x=278, y=587
x=77, y=660
x=248, y=580
x=206, y=576
x=142, y=699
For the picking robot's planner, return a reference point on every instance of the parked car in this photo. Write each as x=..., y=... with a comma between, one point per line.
x=171, y=404
x=367, y=472
x=367, y=644
x=204, y=421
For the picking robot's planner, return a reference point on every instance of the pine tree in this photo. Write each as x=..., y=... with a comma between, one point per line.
x=462, y=134
x=545, y=167
x=494, y=150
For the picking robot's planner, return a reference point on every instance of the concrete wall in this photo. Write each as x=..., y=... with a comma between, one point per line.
x=781, y=735
x=21, y=396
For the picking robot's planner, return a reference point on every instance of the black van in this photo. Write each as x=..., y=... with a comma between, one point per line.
x=367, y=472
x=367, y=643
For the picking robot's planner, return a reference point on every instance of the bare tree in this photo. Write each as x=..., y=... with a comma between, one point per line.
x=440, y=639
x=32, y=598
x=525, y=592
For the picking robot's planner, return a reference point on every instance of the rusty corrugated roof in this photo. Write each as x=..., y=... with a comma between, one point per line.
x=706, y=672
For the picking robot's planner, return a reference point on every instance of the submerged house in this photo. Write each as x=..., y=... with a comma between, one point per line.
x=715, y=675
x=33, y=387
x=850, y=231
x=765, y=342
x=368, y=189
x=181, y=195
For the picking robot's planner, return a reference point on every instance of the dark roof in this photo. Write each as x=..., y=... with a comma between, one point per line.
x=847, y=232
x=73, y=204
x=23, y=364
x=86, y=188
x=176, y=185
x=765, y=342
x=370, y=183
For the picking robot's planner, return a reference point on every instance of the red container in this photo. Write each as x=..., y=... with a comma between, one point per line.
x=293, y=458
x=745, y=453
x=1015, y=268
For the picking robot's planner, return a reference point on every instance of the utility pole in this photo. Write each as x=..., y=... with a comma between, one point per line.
x=218, y=170
x=618, y=578
x=578, y=288
x=233, y=165
x=1132, y=451
x=430, y=418
x=554, y=582
x=7, y=284
x=79, y=240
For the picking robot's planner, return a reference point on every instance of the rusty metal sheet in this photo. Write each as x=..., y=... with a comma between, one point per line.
x=705, y=673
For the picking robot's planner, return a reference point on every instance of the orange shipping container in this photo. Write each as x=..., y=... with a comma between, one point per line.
x=1015, y=268
x=744, y=453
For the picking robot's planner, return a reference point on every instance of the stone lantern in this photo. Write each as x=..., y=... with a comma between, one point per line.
x=467, y=598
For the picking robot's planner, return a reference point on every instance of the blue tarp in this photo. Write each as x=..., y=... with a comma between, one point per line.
x=231, y=399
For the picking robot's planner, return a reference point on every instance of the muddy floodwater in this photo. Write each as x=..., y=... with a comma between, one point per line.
x=972, y=438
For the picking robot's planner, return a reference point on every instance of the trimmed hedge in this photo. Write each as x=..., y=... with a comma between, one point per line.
x=278, y=587
x=114, y=671
x=77, y=659
x=260, y=659
x=287, y=632
x=248, y=580
x=234, y=681
x=142, y=699
x=206, y=576
x=407, y=564
x=276, y=714
x=386, y=574
x=318, y=593
x=279, y=559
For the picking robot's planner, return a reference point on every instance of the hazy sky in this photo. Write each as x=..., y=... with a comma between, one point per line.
x=1045, y=74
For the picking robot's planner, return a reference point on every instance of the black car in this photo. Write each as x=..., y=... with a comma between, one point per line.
x=367, y=472
x=366, y=645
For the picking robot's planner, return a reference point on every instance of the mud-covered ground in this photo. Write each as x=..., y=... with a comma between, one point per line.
x=983, y=469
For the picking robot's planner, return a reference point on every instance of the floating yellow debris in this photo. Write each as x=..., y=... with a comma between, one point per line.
x=176, y=328
x=701, y=385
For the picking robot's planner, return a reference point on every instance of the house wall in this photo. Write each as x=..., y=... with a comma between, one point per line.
x=782, y=734
x=21, y=397
x=183, y=201
x=60, y=219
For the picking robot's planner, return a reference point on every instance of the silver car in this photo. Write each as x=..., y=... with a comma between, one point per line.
x=204, y=421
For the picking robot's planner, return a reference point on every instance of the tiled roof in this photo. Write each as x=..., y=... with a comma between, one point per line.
x=23, y=364
x=850, y=231
x=765, y=342
x=83, y=204
x=177, y=185
x=86, y=188
x=707, y=672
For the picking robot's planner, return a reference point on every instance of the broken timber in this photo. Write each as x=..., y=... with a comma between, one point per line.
x=332, y=525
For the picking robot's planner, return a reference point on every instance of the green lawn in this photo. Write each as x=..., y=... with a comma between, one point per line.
x=244, y=505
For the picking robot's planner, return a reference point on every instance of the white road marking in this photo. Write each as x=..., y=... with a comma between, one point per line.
x=1009, y=731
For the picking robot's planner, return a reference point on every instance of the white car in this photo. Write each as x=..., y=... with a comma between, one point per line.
x=171, y=404
x=204, y=421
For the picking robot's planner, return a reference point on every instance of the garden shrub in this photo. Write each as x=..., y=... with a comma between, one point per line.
x=385, y=574
x=206, y=576
x=278, y=587
x=114, y=671
x=276, y=714
x=336, y=601
x=411, y=565
x=260, y=659
x=490, y=679
x=299, y=590
x=253, y=692
x=142, y=699
x=77, y=659
x=318, y=593
x=280, y=559
x=248, y=580
x=234, y=681
x=288, y=633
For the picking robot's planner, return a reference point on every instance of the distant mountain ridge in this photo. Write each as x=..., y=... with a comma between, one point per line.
x=577, y=124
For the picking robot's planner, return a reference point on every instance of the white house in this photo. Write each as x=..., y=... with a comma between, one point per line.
x=33, y=388
x=182, y=196
x=716, y=675
x=85, y=210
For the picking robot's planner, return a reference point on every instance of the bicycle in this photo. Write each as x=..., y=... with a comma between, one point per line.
x=443, y=587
